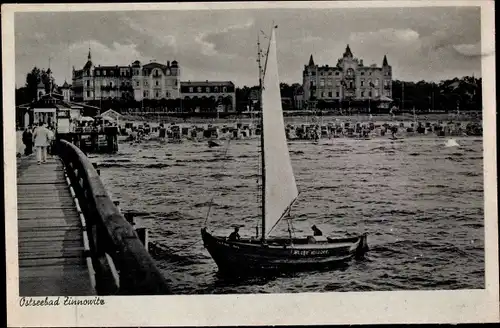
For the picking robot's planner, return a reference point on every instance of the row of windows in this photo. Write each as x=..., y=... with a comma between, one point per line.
x=329, y=82
x=137, y=83
x=127, y=73
x=112, y=73
x=207, y=89
x=337, y=73
x=157, y=94
x=363, y=94
x=145, y=94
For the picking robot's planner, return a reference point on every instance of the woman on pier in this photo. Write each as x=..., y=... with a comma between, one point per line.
x=28, y=141
x=41, y=138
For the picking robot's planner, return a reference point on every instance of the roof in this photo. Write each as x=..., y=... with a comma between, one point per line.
x=385, y=63
x=88, y=65
x=348, y=52
x=311, y=61
x=207, y=83
x=299, y=90
x=154, y=65
x=65, y=85
x=111, y=113
x=40, y=85
x=83, y=105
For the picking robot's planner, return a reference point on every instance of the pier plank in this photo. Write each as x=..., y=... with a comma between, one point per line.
x=50, y=236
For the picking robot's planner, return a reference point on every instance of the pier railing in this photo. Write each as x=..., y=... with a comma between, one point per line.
x=121, y=263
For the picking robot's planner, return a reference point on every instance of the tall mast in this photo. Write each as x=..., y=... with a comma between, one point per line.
x=262, y=164
x=50, y=79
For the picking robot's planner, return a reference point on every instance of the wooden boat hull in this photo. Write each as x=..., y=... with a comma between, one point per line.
x=251, y=256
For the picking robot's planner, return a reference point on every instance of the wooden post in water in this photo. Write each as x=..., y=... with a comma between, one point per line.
x=95, y=167
x=142, y=233
x=117, y=204
x=140, y=229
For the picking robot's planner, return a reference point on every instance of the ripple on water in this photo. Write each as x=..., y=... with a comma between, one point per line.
x=423, y=213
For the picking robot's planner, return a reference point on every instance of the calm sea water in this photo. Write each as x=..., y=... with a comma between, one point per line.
x=420, y=202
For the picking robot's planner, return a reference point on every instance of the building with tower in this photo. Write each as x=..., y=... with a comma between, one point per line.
x=135, y=81
x=348, y=80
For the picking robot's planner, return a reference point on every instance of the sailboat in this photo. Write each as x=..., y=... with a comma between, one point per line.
x=264, y=253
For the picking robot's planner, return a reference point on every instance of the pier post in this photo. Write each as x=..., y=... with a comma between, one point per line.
x=130, y=218
x=95, y=167
x=142, y=233
x=117, y=204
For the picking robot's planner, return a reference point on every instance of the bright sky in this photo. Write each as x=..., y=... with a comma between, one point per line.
x=420, y=43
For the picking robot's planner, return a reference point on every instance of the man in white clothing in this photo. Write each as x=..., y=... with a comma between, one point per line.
x=41, y=138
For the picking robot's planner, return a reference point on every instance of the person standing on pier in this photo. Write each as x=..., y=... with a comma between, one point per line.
x=28, y=141
x=50, y=148
x=41, y=138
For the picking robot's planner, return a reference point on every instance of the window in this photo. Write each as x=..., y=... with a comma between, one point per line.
x=104, y=72
x=329, y=73
x=362, y=93
x=337, y=73
x=387, y=83
x=216, y=89
x=369, y=73
x=207, y=89
x=224, y=89
x=363, y=73
x=88, y=83
x=199, y=89
x=376, y=93
x=321, y=83
x=156, y=83
x=157, y=94
x=145, y=83
x=167, y=94
x=137, y=83
x=376, y=82
x=369, y=94
x=321, y=73
x=338, y=94
x=350, y=85
x=112, y=73
x=330, y=94
x=362, y=83
x=88, y=93
x=322, y=94
x=190, y=89
x=111, y=84
x=146, y=93
x=329, y=82
x=338, y=83
x=370, y=83
x=97, y=73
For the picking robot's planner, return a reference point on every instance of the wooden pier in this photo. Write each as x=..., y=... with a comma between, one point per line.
x=52, y=257
x=73, y=239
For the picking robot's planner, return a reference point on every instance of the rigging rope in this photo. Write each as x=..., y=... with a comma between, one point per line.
x=216, y=186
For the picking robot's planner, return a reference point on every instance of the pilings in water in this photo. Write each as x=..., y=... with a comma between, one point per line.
x=104, y=140
x=140, y=229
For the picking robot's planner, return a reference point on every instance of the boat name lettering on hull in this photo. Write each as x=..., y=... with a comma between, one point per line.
x=310, y=252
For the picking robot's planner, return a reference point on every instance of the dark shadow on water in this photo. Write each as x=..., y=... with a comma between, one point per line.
x=225, y=280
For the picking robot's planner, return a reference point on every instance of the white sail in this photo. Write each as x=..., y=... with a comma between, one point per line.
x=280, y=187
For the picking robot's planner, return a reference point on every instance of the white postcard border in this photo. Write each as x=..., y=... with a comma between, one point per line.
x=464, y=306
